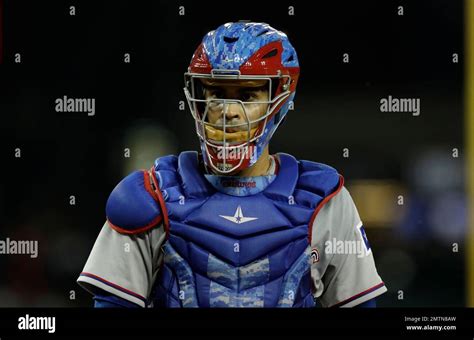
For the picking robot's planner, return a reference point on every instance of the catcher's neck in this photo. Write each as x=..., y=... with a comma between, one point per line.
x=260, y=168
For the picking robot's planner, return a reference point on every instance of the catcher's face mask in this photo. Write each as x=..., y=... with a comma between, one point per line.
x=231, y=115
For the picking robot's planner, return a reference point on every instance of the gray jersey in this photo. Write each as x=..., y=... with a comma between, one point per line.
x=343, y=270
x=124, y=265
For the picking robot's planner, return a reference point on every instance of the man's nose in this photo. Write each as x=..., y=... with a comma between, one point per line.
x=232, y=111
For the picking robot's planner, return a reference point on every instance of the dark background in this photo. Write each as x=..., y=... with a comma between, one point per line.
x=337, y=106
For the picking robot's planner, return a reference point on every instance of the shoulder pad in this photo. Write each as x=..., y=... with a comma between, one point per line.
x=322, y=181
x=318, y=178
x=133, y=206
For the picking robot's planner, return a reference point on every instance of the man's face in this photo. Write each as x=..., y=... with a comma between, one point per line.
x=251, y=92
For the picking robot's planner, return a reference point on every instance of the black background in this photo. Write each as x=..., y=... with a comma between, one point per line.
x=336, y=106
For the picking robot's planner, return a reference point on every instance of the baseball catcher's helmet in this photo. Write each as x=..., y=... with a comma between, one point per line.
x=240, y=51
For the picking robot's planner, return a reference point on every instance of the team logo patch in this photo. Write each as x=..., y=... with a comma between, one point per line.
x=363, y=235
x=314, y=255
x=238, y=184
x=239, y=217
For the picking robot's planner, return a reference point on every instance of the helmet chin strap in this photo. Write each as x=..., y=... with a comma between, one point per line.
x=260, y=168
x=270, y=169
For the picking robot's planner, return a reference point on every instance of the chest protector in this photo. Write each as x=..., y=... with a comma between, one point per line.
x=238, y=251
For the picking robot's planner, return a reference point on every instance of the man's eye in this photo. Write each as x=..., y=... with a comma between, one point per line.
x=248, y=96
x=216, y=94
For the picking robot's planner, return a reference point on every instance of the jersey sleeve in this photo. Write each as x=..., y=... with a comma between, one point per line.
x=124, y=265
x=343, y=268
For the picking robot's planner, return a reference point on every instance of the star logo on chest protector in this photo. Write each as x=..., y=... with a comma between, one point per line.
x=238, y=217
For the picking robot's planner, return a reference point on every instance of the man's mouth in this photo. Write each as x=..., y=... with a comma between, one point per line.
x=231, y=134
x=234, y=129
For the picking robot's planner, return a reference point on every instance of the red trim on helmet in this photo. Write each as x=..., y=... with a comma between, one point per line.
x=257, y=65
x=199, y=62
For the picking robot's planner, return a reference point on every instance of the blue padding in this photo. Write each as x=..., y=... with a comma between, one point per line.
x=226, y=250
x=272, y=292
x=202, y=287
x=130, y=206
x=285, y=183
x=194, y=182
x=307, y=198
x=167, y=178
x=169, y=162
x=254, y=205
x=321, y=182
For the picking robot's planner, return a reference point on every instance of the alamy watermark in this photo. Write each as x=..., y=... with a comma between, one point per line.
x=346, y=247
x=392, y=104
x=28, y=322
x=65, y=104
x=359, y=246
x=22, y=247
x=237, y=153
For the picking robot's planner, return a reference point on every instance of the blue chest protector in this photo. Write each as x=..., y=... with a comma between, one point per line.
x=238, y=251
